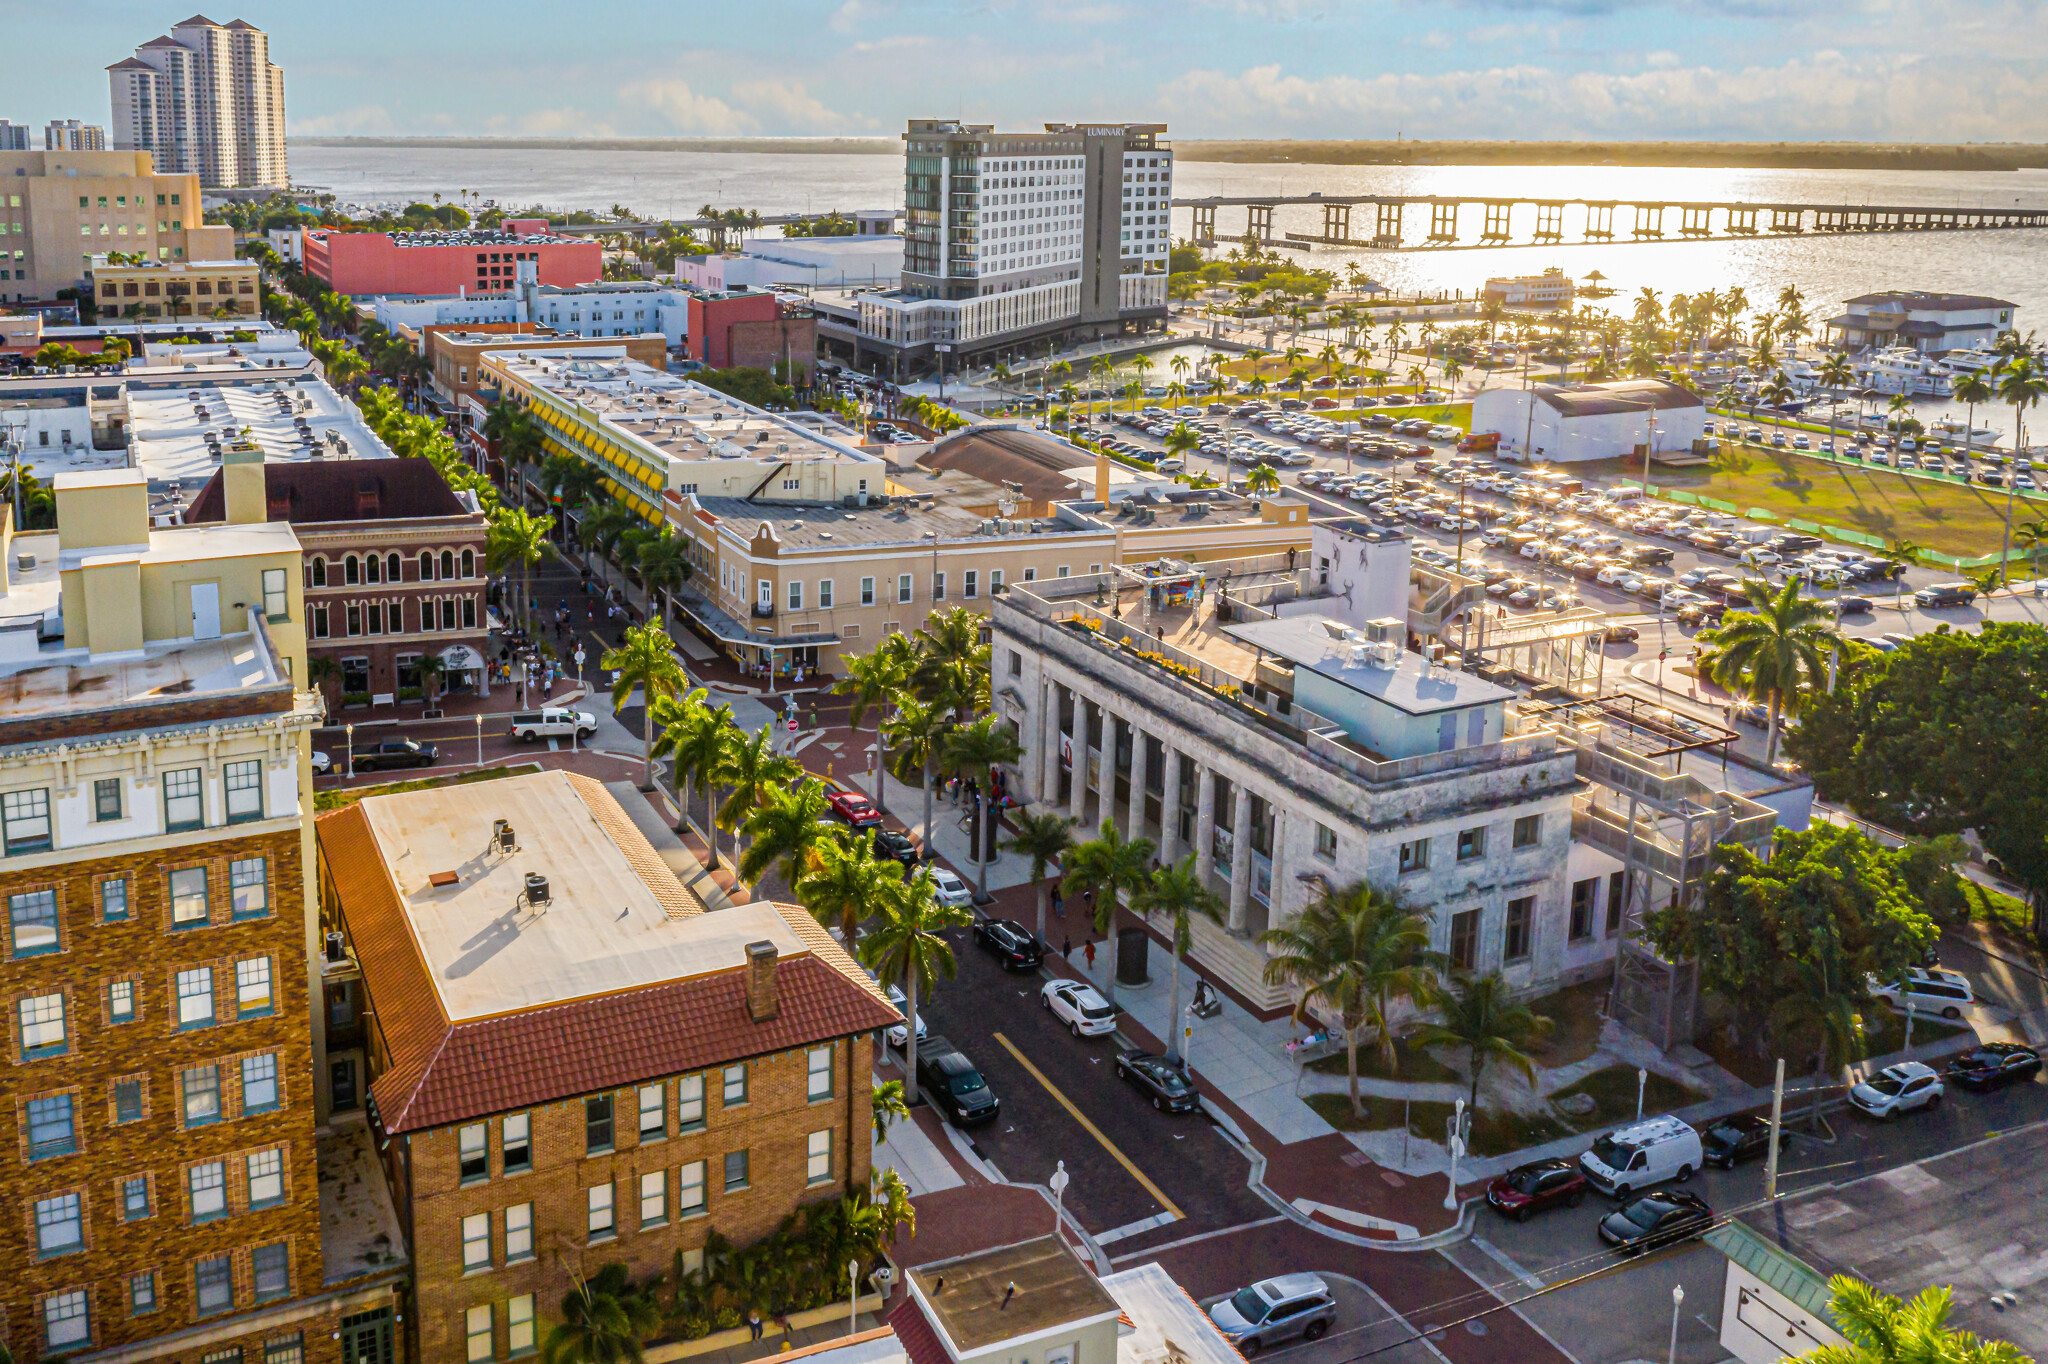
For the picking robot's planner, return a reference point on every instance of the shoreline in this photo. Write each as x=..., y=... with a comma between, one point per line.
x=1695, y=155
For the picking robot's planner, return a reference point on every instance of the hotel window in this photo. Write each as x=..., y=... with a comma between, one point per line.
x=184, y=799
x=735, y=1170
x=51, y=1131
x=735, y=1091
x=65, y=1323
x=824, y=594
x=114, y=900
x=207, y=1186
x=32, y=919
x=1471, y=843
x=1030, y=575
x=1415, y=855
x=249, y=887
x=1519, y=935
x=938, y=587
x=597, y=1124
x=599, y=1202
x=259, y=1083
x=902, y=587
x=970, y=584
x=1326, y=842
x=42, y=1027
x=476, y=1242
x=252, y=987
x=519, y=1325
x=1465, y=939
x=121, y=1001
x=188, y=897
x=201, y=1088
x=106, y=799
x=271, y=1267
x=518, y=1232
x=796, y=594
x=60, y=1226
x=244, y=782
x=818, y=1065
x=127, y=1101
x=690, y=1104
x=818, y=1158
x=1060, y=572
x=142, y=1293
x=477, y=1330
x=195, y=997
x=867, y=591
x=135, y=1199
x=276, y=601
x=995, y=582
x=266, y=1178
x=469, y=563
x=653, y=1198
x=1582, y=908
x=351, y=570
x=1528, y=829
x=25, y=821
x=690, y=1189
x=473, y=1155
x=516, y=1144
x=653, y=1113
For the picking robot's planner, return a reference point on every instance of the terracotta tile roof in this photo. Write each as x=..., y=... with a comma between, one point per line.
x=441, y=1073
x=915, y=1332
x=820, y=940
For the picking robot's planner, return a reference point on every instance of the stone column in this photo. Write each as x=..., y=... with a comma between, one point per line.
x=1049, y=746
x=1169, y=805
x=1137, y=824
x=1205, y=822
x=1077, y=799
x=1240, y=857
x=1276, y=896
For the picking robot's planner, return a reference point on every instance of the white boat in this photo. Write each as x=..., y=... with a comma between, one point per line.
x=1901, y=369
x=1959, y=429
x=1975, y=360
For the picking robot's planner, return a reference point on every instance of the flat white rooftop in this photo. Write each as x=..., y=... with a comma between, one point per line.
x=168, y=427
x=1410, y=685
x=618, y=918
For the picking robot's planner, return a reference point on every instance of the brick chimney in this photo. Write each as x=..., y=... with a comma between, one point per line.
x=762, y=1005
x=368, y=499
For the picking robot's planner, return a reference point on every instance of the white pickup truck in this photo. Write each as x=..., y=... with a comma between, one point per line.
x=555, y=722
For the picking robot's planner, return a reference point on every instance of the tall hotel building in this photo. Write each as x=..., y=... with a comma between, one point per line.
x=208, y=101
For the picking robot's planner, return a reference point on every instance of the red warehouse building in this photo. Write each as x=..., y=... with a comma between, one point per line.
x=447, y=263
x=746, y=328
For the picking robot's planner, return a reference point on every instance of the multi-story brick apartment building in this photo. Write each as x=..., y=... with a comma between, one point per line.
x=570, y=1062
x=394, y=566
x=160, y=1123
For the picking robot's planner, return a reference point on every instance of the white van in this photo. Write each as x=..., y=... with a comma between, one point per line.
x=1630, y=1159
x=1932, y=991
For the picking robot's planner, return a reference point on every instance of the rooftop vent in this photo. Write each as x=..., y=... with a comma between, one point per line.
x=502, y=837
x=536, y=894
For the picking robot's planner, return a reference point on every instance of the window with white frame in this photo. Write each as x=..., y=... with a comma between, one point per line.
x=188, y=897
x=824, y=594
x=818, y=1068
x=867, y=591
x=266, y=1178
x=735, y=1090
x=796, y=594
x=60, y=1224
x=184, y=799
x=244, y=783
x=32, y=922
x=476, y=1242
x=519, y=1232
x=276, y=601
x=690, y=1103
x=195, y=997
x=207, y=1185
x=476, y=1330
x=200, y=1086
x=600, y=1220
x=515, y=1140
x=690, y=1189
x=121, y=1001
x=25, y=821
x=249, y=887
x=654, y=1198
x=142, y=1293
x=902, y=588
x=252, y=987
x=259, y=1083
x=653, y=1113
x=519, y=1325
x=818, y=1157
x=42, y=1026
x=970, y=583
x=65, y=1323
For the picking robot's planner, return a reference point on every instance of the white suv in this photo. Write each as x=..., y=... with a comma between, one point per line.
x=1932, y=991
x=1897, y=1089
x=1076, y=1003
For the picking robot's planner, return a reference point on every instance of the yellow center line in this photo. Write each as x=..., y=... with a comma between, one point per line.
x=1093, y=1131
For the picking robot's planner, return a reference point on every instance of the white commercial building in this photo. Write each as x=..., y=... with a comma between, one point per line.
x=626, y=308
x=1570, y=423
x=207, y=101
x=874, y=262
x=1927, y=322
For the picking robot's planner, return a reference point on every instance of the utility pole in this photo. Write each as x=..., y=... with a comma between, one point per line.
x=1777, y=1133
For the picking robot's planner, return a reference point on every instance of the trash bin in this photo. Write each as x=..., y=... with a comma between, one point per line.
x=1132, y=945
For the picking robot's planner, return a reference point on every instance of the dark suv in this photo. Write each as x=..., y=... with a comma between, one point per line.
x=896, y=848
x=395, y=753
x=950, y=1083
x=1015, y=946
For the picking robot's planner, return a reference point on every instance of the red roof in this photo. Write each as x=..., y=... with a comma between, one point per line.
x=912, y=1328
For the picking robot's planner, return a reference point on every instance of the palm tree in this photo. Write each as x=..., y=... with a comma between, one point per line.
x=1107, y=865
x=1776, y=650
x=950, y=658
x=1481, y=1016
x=1971, y=390
x=664, y=564
x=2031, y=536
x=1177, y=893
x=784, y=832
x=2022, y=385
x=874, y=679
x=1045, y=838
x=1263, y=478
x=1906, y=552
x=1355, y=951
x=975, y=750
x=1182, y=441
x=605, y=1319
x=844, y=882
x=916, y=734
x=1883, y=1330
x=515, y=536
x=647, y=661
x=1777, y=393
x=905, y=949
x=750, y=769
x=1827, y=1007
x=1836, y=372
x=694, y=736
x=888, y=1106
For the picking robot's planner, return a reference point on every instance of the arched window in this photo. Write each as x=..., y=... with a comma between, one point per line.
x=319, y=572
x=393, y=572
x=373, y=569
x=447, y=564
x=426, y=566
x=469, y=563
x=351, y=570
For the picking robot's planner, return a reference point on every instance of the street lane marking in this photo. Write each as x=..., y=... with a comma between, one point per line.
x=1201, y=1236
x=1162, y=1219
x=1505, y=1261
x=1158, y=1194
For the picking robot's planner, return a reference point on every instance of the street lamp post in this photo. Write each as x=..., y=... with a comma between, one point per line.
x=1058, y=1184
x=1677, y=1301
x=1642, y=1084
x=350, y=731
x=479, y=740
x=1457, y=1144
x=853, y=1297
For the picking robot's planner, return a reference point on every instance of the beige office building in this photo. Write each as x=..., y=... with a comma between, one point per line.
x=60, y=209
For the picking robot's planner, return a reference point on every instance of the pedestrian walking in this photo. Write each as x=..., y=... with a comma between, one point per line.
x=1059, y=905
x=754, y=1322
x=1088, y=950
x=1066, y=947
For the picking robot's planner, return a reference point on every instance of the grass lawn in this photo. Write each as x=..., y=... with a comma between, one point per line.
x=1953, y=518
x=1884, y=1032
x=345, y=796
x=1575, y=1014
x=1614, y=1094
x=2007, y=914
x=1414, y=1064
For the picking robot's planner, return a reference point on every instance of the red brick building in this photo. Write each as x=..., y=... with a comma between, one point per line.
x=448, y=263
x=743, y=328
x=611, y=1074
x=394, y=569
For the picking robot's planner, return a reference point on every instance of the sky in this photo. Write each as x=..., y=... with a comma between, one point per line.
x=1750, y=70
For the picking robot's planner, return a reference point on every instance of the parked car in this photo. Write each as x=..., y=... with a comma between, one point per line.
x=853, y=807
x=1632, y=1158
x=1651, y=1220
x=322, y=766
x=1897, y=1089
x=896, y=847
x=949, y=889
x=1529, y=1189
x=1945, y=594
x=552, y=722
x=1165, y=1084
x=395, y=753
x=1995, y=1065
x=1930, y=990
x=1853, y=606
x=899, y=1033
x=1620, y=634
x=951, y=1084
x=1014, y=945
x=1736, y=1138
x=1273, y=1310
x=1086, y=1013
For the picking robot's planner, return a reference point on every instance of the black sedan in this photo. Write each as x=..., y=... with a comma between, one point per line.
x=1994, y=1065
x=1736, y=1138
x=896, y=847
x=395, y=753
x=1853, y=606
x=1651, y=1220
x=1015, y=946
x=1160, y=1080
x=1541, y=1184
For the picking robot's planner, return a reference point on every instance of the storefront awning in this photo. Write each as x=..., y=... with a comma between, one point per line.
x=461, y=658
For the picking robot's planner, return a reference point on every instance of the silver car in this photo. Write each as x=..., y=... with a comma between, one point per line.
x=1275, y=1310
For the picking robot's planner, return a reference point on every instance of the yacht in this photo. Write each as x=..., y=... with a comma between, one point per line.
x=1975, y=360
x=1955, y=428
x=1901, y=369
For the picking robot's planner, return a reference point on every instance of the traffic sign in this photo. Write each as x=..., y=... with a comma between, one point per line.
x=792, y=724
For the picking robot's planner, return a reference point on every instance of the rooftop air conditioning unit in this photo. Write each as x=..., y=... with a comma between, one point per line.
x=336, y=952
x=1389, y=653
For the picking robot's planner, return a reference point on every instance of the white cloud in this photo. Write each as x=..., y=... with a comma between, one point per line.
x=854, y=14
x=362, y=120
x=686, y=110
x=786, y=106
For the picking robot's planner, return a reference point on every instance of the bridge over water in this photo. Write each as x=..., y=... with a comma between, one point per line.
x=1392, y=222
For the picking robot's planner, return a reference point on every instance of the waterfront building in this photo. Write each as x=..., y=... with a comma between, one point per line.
x=1920, y=320
x=207, y=100
x=1551, y=289
x=871, y=260
x=13, y=136
x=60, y=209
x=69, y=135
x=1568, y=423
x=173, y=1152
x=219, y=289
x=621, y=1076
x=451, y=263
x=1016, y=239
